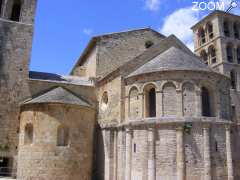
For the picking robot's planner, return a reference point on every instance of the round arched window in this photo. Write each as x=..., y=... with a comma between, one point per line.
x=104, y=102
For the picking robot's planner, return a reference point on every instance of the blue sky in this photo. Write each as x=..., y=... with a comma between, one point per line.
x=62, y=29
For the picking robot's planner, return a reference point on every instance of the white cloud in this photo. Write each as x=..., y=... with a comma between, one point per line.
x=87, y=31
x=152, y=5
x=179, y=23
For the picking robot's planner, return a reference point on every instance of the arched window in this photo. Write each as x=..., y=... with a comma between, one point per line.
x=150, y=101
x=104, y=101
x=201, y=35
x=226, y=29
x=204, y=57
x=28, y=134
x=236, y=30
x=189, y=95
x=210, y=30
x=133, y=103
x=212, y=54
x=169, y=100
x=206, y=104
x=16, y=10
x=233, y=79
x=229, y=53
x=62, y=136
x=238, y=55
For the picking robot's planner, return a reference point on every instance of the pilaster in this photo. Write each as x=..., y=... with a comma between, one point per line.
x=207, y=155
x=229, y=153
x=180, y=154
x=151, y=154
x=128, y=164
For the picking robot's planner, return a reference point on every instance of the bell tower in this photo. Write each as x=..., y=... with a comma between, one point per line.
x=16, y=33
x=217, y=42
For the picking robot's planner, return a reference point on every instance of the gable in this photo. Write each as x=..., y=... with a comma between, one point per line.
x=114, y=50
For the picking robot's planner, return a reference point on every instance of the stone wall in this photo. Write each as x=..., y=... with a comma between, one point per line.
x=43, y=159
x=15, y=47
x=111, y=51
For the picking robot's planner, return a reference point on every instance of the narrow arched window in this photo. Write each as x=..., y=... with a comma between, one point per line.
x=210, y=30
x=201, y=34
x=62, y=136
x=229, y=53
x=204, y=57
x=150, y=101
x=233, y=79
x=16, y=10
x=236, y=30
x=28, y=134
x=238, y=55
x=212, y=54
x=226, y=29
x=206, y=104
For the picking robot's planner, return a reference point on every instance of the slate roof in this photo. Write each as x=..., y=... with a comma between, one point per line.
x=43, y=76
x=172, y=59
x=58, y=95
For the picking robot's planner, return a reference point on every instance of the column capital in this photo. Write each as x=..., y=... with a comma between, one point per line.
x=179, y=90
x=128, y=129
x=151, y=129
x=228, y=127
x=179, y=127
x=206, y=126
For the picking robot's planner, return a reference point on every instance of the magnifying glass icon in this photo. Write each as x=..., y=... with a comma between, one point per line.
x=233, y=4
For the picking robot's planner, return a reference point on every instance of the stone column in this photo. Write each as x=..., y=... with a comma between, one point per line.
x=207, y=155
x=141, y=105
x=151, y=154
x=229, y=153
x=128, y=161
x=180, y=154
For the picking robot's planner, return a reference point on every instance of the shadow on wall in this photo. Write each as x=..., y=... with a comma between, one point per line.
x=98, y=158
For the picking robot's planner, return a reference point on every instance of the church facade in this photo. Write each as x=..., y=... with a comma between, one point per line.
x=137, y=105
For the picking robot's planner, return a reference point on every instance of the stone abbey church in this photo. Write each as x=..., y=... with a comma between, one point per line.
x=137, y=105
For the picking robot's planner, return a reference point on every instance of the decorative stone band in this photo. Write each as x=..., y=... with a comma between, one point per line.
x=151, y=122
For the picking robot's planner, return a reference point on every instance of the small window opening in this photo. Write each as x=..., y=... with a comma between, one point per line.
x=28, y=136
x=16, y=10
x=62, y=136
x=216, y=146
x=134, y=148
x=148, y=44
